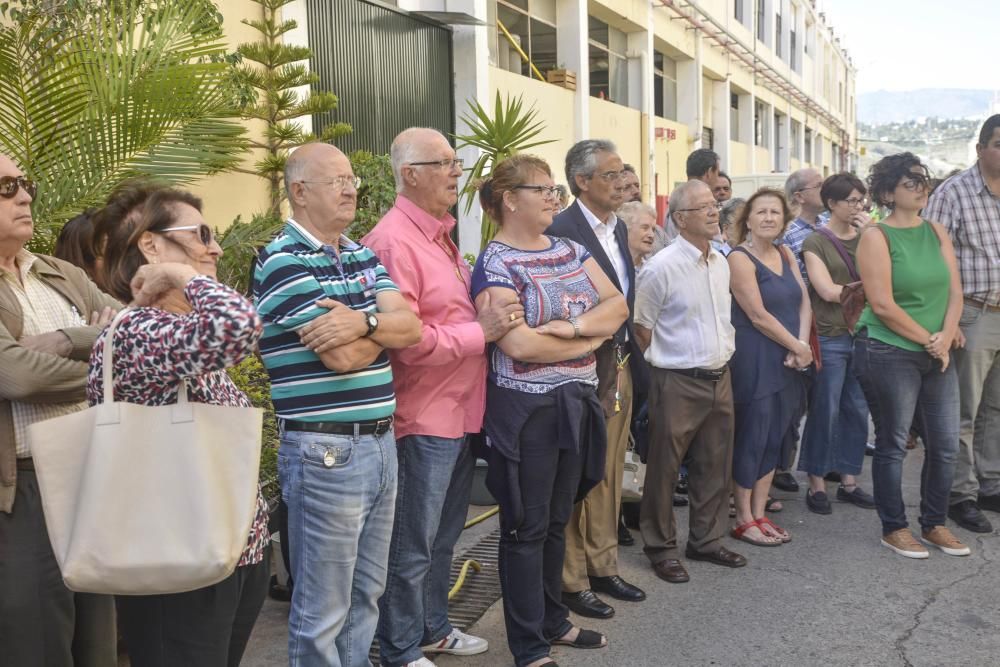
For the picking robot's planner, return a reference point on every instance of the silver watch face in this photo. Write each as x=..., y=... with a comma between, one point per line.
x=372, y=322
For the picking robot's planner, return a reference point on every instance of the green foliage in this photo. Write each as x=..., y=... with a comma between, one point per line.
x=510, y=130
x=267, y=74
x=92, y=93
x=240, y=243
x=377, y=193
x=251, y=377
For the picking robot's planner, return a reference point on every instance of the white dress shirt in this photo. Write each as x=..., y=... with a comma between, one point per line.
x=605, y=233
x=683, y=297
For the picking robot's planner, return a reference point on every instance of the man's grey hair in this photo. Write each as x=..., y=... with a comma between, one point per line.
x=295, y=171
x=796, y=181
x=631, y=212
x=680, y=198
x=404, y=150
x=581, y=160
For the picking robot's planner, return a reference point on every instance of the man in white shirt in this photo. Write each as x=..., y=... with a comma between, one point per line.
x=682, y=322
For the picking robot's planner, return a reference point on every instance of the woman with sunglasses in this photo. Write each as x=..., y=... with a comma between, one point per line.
x=836, y=430
x=545, y=425
x=183, y=326
x=902, y=348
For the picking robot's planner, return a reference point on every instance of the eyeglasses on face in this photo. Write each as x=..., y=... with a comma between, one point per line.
x=611, y=176
x=340, y=182
x=915, y=183
x=551, y=191
x=9, y=185
x=447, y=163
x=706, y=208
x=854, y=202
x=811, y=187
x=204, y=232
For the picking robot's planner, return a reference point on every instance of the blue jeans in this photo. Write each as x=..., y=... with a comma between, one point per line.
x=432, y=500
x=900, y=380
x=836, y=429
x=339, y=524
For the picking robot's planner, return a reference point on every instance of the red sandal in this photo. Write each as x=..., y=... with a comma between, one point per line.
x=739, y=533
x=782, y=534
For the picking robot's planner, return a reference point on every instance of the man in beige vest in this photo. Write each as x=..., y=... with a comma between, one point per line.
x=50, y=315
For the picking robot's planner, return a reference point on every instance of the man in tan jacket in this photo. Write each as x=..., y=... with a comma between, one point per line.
x=50, y=315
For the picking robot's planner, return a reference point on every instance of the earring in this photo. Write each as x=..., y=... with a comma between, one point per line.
x=512, y=209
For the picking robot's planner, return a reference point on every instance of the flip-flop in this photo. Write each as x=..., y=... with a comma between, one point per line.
x=739, y=533
x=773, y=505
x=584, y=639
x=782, y=533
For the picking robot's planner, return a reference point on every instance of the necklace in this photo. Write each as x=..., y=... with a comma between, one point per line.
x=452, y=256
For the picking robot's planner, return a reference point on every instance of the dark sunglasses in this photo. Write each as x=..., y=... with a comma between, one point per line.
x=204, y=232
x=9, y=186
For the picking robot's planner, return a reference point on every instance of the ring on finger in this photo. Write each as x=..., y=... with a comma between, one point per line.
x=513, y=317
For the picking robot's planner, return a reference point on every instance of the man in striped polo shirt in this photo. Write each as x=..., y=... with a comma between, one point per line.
x=330, y=310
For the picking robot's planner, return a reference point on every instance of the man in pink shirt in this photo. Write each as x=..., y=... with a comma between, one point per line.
x=440, y=392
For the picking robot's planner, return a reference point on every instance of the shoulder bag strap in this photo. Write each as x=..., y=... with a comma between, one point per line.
x=842, y=251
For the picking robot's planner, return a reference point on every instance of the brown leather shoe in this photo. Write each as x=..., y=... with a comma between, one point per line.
x=671, y=570
x=721, y=556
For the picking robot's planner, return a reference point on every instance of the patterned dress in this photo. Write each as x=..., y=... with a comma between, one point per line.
x=155, y=349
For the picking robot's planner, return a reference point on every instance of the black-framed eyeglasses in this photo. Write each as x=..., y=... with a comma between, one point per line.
x=340, y=182
x=544, y=190
x=204, y=232
x=811, y=187
x=915, y=182
x=9, y=185
x=446, y=163
x=610, y=176
x=854, y=202
x=705, y=208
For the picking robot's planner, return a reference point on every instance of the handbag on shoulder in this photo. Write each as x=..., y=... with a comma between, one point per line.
x=852, y=295
x=143, y=500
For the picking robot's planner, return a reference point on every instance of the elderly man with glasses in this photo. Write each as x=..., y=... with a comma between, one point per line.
x=440, y=398
x=596, y=177
x=330, y=311
x=50, y=315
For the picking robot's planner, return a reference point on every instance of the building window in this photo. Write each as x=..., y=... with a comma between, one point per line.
x=532, y=28
x=759, y=133
x=796, y=135
x=792, y=51
x=707, y=138
x=738, y=10
x=608, y=65
x=808, y=148
x=734, y=116
x=664, y=86
x=777, y=33
x=761, y=26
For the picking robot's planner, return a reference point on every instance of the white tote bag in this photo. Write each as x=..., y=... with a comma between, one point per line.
x=634, y=474
x=143, y=500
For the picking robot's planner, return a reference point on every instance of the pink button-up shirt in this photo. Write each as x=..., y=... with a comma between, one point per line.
x=441, y=381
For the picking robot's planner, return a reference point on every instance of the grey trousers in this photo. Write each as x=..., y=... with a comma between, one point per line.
x=695, y=417
x=43, y=623
x=977, y=470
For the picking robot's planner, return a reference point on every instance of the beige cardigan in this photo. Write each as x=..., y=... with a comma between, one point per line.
x=37, y=377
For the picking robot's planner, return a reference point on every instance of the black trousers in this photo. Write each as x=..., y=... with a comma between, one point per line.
x=531, y=559
x=208, y=627
x=43, y=623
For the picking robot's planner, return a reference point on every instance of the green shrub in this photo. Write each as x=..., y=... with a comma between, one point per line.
x=251, y=377
x=377, y=193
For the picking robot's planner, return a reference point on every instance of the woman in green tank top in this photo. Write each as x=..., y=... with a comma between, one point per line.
x=902, y=350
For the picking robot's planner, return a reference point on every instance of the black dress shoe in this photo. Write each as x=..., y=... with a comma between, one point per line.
x=625, y=538
x=680, y=501
x=818, y=502
x=617, y=588
x=786, y=482
x=989, y=503
x=672, y=571
x=721, y=556
x=967, y=515
x=585, y=603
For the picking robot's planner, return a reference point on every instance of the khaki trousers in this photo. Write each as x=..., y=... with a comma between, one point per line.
x=592, y=531
x=695, y=417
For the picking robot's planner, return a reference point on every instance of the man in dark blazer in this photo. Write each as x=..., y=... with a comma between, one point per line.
x=595, y=173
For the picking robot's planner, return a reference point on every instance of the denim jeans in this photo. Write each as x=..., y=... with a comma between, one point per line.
x=900, y=380
x=432, y=500
x=836, y=430
x=341, y=497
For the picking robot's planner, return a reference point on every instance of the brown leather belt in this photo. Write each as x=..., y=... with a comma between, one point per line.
x=981, y=304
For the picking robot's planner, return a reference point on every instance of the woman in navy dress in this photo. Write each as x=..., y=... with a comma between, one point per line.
x=772, y=315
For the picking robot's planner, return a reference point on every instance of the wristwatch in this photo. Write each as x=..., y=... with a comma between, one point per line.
x=372, y=323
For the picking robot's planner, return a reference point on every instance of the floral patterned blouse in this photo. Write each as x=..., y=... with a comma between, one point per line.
x=155, y=349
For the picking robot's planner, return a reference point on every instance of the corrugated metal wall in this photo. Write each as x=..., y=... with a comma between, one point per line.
x=390, y=70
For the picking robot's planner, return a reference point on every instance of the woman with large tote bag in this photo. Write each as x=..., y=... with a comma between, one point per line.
x=184, y=328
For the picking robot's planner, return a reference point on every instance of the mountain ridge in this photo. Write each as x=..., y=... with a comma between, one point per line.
x=890, y=106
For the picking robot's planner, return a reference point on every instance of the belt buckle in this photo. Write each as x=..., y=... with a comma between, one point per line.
x=382, y=426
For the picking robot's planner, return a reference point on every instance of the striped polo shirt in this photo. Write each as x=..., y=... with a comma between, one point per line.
x=293, y=272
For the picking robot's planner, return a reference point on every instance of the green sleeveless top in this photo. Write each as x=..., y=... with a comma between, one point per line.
x=920, y=283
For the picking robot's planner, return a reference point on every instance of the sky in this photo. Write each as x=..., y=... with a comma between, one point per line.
x=911, y=44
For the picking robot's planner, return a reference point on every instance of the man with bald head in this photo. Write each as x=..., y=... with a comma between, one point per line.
x=44, y=346
x=802, y=191
x=330, y=312
x=682, y=322
x=440, y=393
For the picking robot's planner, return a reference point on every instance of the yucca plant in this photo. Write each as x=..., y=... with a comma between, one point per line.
x=92, y=93
x=510, y=130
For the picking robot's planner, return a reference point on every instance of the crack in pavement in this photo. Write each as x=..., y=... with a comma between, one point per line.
x=900, y=643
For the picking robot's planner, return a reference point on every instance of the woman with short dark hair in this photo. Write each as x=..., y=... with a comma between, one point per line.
x=902, y=350
x=183, y=326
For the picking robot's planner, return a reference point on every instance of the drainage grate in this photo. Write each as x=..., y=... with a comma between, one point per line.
x=480, y=590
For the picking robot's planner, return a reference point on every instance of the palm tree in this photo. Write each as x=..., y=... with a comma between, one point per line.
x=92, y=93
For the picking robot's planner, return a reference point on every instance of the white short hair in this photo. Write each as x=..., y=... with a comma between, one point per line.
x=631, y=212
x=405, y=150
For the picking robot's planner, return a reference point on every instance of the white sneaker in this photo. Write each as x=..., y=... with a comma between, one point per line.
x=458, y=643
x=423, y=662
